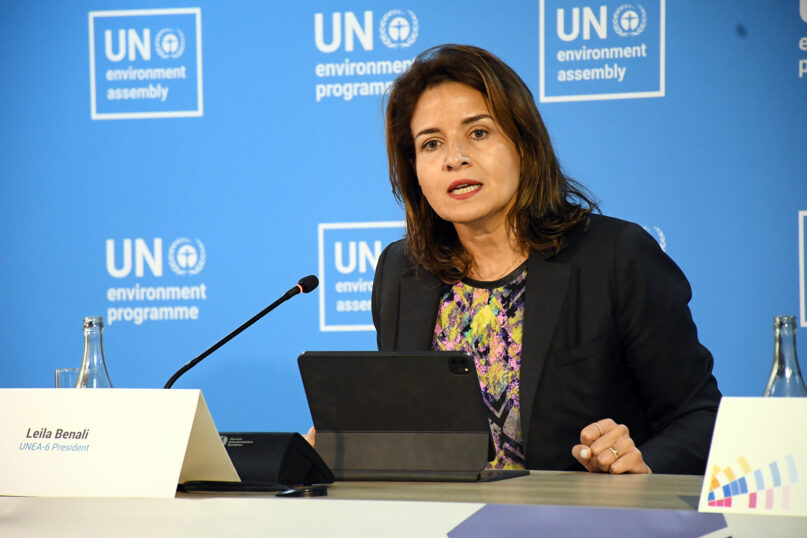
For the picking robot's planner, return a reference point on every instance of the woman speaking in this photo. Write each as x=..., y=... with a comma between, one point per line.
x=578, y=323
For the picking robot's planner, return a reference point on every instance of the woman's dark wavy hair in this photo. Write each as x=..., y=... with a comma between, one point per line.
x=547, y=202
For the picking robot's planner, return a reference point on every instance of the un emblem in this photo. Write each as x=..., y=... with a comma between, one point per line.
x=186, y=257
x=169, y=43
x=629, y=20
x=398, y=29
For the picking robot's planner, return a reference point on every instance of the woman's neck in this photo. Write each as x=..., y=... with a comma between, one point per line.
x=495, y=253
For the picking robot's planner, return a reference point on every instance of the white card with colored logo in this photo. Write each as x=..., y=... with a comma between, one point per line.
x=758, y=460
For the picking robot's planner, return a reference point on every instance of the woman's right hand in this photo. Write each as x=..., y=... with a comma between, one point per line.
x=607, y=447
x=311, y=436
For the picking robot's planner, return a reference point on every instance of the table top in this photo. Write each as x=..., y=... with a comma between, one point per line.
x=675, y=492
x=544, y=502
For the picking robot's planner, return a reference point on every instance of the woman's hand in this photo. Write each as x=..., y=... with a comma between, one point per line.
x=606, y=446
x=311, y=436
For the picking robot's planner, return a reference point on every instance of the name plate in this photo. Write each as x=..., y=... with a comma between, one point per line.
x=107, y=442
x=758, y=460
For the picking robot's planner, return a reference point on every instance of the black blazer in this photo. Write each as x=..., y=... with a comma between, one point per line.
x=607, y=333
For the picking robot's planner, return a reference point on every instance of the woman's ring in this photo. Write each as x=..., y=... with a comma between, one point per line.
x=598, y=427
x=615, y=452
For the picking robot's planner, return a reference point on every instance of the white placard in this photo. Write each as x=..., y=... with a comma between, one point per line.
x=107, y=442
x=758, y=460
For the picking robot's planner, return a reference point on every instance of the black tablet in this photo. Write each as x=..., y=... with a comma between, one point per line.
x=398, y=415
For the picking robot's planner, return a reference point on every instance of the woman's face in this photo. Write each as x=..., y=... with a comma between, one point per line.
x=467, y=167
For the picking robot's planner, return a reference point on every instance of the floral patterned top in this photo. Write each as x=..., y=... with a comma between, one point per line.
x=486, y=320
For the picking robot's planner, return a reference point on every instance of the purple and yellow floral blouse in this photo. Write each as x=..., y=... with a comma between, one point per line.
x=486, y=320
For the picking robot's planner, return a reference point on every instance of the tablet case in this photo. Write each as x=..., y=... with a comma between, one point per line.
x=398, y=416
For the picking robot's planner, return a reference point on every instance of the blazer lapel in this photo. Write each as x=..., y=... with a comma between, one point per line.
x=420, y=295
x=546, y=290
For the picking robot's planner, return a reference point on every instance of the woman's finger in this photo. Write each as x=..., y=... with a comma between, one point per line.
x=582, y=454
x=613, y=435
x=612, y=452
x=595, y=430
x=631, y=462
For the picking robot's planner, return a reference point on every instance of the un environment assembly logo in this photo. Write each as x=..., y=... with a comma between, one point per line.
x=348, y=254
x=398, y=29
x=186, y=257
x=145, y=63
x=601, y=50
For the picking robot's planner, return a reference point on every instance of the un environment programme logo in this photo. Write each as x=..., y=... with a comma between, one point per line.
x=605, y=49
x=348, y=254
x=629, y=20
x=349, y=33
x=170, y=43
x=186, y=257
x=398, y=29
x=139, y=292
x=145, y=63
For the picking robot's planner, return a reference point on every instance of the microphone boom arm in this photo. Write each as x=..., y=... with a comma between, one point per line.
x=305, y=285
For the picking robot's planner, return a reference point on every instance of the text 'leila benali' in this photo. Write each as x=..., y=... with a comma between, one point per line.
x=45, y=433
x=34, y=440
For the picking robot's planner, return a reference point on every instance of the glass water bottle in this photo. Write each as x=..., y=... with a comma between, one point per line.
x=93, y=373
x=785, y=377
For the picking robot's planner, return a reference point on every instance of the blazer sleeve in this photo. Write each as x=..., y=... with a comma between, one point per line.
x=672, y=369
x=379, y=295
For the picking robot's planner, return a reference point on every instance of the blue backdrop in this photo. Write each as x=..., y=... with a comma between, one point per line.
x=176, y=166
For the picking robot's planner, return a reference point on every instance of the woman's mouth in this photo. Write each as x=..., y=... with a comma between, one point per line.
x=464, y=188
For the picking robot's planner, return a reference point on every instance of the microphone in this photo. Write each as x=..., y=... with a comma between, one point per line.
x=305, y=285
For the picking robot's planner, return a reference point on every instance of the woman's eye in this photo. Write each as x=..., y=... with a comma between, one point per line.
x=479, y=133
x=430, y=145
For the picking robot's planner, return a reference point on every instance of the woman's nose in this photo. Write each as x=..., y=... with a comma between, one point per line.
x=456, y=156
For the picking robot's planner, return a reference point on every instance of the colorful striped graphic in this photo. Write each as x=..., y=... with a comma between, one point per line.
x=764, y=486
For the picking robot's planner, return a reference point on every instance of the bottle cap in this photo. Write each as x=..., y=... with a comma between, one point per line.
x=93, y=322
x=784, y=321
